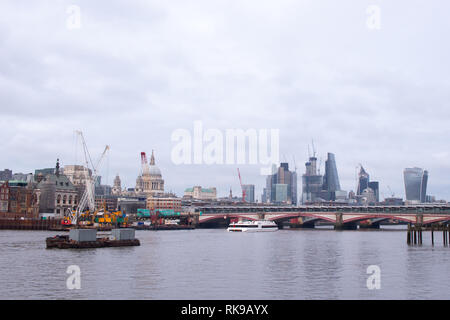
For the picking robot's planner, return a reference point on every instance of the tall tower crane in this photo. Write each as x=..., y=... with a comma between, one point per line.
x=88, y=198
x=242, y=187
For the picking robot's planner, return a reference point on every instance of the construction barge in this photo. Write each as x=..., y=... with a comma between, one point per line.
x=87, y=239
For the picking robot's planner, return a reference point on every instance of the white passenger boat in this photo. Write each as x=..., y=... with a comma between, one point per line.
x=253, y=226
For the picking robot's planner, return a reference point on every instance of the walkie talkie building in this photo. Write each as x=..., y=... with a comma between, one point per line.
x=415, y=184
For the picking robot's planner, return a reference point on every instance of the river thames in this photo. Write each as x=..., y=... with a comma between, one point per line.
x=215, y=264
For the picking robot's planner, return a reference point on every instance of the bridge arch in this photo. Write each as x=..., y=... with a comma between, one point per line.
x=207, y=218
x=434, y=219
x=313, y=217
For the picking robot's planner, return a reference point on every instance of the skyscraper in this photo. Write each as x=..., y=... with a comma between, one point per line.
x=282, y=176
x=416, y=180
x=294, y=188
x=311, y=182
x=365, y=186
x=267, y=196
x=363, y=181
x=330, y=179
x=281, y=193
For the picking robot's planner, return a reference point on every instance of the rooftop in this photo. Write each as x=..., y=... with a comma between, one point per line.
x=208, y=190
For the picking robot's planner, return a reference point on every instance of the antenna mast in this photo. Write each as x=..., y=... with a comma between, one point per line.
x=314, y=149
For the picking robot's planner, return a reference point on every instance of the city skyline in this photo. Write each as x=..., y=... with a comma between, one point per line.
x=258, y=197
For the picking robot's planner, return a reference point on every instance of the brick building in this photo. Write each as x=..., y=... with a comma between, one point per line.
x=18, y=199
x=154, y=203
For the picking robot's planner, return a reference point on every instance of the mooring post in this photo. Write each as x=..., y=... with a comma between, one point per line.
x=408, y=235
x=415, y=235
x=448, y=229
x=446, y=235
x=432, y=236
x=444, y=240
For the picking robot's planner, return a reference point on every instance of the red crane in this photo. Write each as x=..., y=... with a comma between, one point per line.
x=242, y=187
x=144, y=163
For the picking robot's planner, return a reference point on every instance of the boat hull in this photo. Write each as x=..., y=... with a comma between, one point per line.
x=252, y=229
x=63, y=242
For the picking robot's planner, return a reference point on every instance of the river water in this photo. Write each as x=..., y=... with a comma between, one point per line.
x=215, y=264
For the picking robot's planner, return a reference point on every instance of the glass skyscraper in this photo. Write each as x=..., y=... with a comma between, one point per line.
x=416, y=180
x=284, y=179
x=331, y=179
x=363, y=181
x=281, y=192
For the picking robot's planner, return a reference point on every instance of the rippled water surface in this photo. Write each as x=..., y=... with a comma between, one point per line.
x=215, y=264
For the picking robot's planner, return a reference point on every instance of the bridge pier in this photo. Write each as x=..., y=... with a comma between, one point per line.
x=340, y=225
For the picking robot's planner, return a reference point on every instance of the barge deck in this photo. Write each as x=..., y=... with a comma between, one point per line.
x=63, y=242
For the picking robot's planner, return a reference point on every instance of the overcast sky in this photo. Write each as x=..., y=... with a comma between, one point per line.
x=137, y=70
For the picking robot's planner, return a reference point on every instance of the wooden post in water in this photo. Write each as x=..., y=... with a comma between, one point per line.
x=444, y=240
x=415, y=235
x=448, y=228
x=445, y=232
x=408, y=235
x=432, y=236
